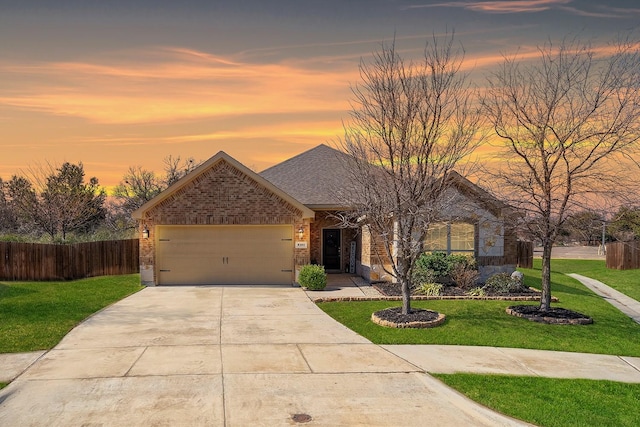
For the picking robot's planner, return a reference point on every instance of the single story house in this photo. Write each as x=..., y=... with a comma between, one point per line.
x=225, y=224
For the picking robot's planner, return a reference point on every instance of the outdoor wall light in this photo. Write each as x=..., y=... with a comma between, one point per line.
x=145, y=232
x=300, y=232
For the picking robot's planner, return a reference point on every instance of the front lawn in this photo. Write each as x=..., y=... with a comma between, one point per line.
x=36, y=315
x=551, y=402
x=625, y=281
x=485, y=323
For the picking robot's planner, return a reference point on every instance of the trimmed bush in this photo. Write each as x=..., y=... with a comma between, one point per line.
x=502, y=283
x=440, y=267
x=312, y=277
x=435, y=261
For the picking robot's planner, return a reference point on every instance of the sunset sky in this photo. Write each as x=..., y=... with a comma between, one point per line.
x=115, y=84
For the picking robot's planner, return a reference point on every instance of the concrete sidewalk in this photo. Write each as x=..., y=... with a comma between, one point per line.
x=446, y=359
x=13, y=364
x=625, y=304
x=227, y=356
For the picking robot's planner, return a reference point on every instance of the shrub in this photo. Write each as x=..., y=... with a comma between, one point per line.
x=421, y=276
x=464, y=276
x=502, y=283
x=476, y=292
x=430, y=289
x=467, y=261
x=435, y=261
x=312, y=277
x=438, y=266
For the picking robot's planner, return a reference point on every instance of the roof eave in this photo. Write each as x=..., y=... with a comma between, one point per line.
x=328, y=207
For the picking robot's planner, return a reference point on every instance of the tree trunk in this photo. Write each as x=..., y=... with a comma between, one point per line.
x=545, y=298
x=406, y=297
x=405, y=279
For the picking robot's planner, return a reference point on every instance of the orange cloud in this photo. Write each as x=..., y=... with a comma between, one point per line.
x=172, y=84
x=512, y=6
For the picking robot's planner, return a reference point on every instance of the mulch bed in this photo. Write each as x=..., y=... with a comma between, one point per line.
x=554, y=316
x=394, y=289
x=422, y=318
x=417, y=318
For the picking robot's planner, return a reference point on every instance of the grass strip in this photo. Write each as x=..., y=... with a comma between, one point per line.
x=36, y=315
x=551, y=402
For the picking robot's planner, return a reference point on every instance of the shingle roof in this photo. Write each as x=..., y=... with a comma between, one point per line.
x=312, y=177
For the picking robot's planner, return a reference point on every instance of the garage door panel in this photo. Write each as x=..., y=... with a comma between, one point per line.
x=225, y=254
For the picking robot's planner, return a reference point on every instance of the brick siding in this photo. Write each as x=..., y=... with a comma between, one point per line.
x=221, y=195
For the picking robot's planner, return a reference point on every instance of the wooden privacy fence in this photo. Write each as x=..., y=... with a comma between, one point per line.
x=35, y=261
x=525, y=254
x=623, y=255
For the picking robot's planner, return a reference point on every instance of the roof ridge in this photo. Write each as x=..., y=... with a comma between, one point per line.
x=294, y=158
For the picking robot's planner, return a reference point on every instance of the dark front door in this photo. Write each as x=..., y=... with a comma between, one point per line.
x=331, y=249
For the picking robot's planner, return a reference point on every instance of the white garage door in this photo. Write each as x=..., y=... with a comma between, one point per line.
x=225, y=255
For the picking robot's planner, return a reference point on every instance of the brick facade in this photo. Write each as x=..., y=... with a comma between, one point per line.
x=224, y=192
x=220, y=195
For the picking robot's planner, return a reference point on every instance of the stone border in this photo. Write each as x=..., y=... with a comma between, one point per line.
x=417, y=325
x=551, y=320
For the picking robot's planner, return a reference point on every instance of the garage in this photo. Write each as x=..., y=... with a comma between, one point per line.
x=222, y=224
x=224, y=254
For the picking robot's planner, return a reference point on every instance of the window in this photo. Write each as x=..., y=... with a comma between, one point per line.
x=456, y=237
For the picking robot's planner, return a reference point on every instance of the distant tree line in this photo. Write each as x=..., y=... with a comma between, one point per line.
x=586, y=226
x=59, y=204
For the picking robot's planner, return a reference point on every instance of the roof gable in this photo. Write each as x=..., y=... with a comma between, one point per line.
x=478, y=194
x=209, y=165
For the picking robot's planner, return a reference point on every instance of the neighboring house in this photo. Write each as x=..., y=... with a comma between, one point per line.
x=225, y=224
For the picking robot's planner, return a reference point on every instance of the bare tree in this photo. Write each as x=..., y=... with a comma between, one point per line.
x=137, y=187
x=411, y=124
x=175, y=168
x=584, y=226
x=564, y=121
x=8, y=220
x=57, y=200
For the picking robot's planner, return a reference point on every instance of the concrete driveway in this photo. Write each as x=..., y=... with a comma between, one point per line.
x=227, y=356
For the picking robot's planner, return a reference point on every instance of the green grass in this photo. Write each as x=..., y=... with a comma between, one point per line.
x=2, y=385
x=625, y=281
x=542, y=401
x=485, y=323
x=551, y=402
x=36, y=315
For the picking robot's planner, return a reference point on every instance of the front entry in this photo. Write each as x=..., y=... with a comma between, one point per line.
x=331, y=257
